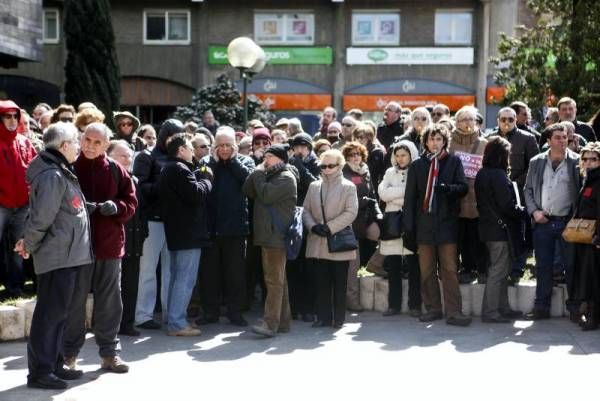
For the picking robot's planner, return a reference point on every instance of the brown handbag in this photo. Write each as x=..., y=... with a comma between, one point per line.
x=579, y=231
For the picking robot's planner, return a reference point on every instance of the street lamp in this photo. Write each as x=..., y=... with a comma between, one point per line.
x=250, y=59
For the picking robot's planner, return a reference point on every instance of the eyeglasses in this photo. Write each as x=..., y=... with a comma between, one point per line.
x=354, y=154
x=10, y=115
x=328, y=166
x=201, y=146
x=126, y=125
x=589, y=159
x=437, y=114
x=420, y=118
x=66, y=119
x=507, y=119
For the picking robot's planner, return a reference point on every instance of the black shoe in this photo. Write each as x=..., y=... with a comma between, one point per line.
x=465, y=278
x=459, y=320
x=308, y=318
x=68, y=374
x=150, y=325
x=238, y=321
x=391, y=312
x=47, y=382
x=431, y=316
x=537, y=314
x=512, y=314
x=207, y=320
x=338, y=325
x=320, y=323
x=129, y=331
x=497, y=319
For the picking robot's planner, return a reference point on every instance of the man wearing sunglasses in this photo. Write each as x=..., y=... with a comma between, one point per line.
x=126, y=126
x=17, y=152
x=523, y=148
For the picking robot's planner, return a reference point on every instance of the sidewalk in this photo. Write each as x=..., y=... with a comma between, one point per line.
x=371, y=357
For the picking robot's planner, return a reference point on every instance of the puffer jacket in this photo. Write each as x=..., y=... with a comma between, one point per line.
x=341, y=208
x=57, y=230
x=472, y=143
x=275, y=188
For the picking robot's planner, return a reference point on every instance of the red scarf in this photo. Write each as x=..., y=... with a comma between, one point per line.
x=432, y=178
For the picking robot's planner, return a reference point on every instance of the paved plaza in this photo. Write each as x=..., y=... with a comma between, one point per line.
x=370, y=358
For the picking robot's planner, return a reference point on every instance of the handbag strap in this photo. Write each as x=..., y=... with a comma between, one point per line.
x=322, y=207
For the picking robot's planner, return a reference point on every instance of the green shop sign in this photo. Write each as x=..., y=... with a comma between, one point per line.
x=280, y=55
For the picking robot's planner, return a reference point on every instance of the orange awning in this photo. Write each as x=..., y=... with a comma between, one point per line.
x=378, y=102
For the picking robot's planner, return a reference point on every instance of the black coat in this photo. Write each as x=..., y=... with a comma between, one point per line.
x=441, y=225
x=136, y=230
x=147, y=167
x=376, y=162
x=368, y=208
x=227, y=203
x=387, y=133
x=308, y=171
x=496, y=199
x=523, y=147
x=183, y=201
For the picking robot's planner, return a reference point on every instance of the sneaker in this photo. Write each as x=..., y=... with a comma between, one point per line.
x=263, y=330
x=458, y=320
x=114, y=364
x=187, y=331
x=430, y=316
x=149, y=325
x=71, y=362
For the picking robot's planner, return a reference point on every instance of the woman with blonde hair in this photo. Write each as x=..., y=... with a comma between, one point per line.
x=420, y=119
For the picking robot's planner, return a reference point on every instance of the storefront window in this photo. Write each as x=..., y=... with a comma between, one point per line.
x=375, y=29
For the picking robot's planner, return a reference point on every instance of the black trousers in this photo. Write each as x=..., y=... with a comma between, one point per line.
x=54, y=296
x=224, y=276
x=254, y=273
x=130, y=272
x=301, y=284
x=472, y=252
x=395, y=265
x=331, y=277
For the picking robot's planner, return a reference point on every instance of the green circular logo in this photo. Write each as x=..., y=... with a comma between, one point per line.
x=377, y=55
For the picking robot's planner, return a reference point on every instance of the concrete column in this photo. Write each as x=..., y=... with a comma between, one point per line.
x=484, y=55
x=200, y=44
x=339, y=56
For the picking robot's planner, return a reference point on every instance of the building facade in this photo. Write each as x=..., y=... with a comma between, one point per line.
x=353, y=53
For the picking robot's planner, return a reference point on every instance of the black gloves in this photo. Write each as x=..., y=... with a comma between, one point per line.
x=443, y=188
x=91, y=207
x=321, y=230
x=108, y=208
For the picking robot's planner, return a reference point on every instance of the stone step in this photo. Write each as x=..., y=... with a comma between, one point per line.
x=12, y=323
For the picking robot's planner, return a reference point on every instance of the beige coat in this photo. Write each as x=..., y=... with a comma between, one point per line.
x=341, y=207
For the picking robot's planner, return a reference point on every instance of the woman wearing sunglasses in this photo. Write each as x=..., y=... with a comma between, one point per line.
x=336, y=197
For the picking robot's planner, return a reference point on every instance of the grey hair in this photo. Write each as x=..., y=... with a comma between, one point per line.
x=295, y=125
x=58, y=133
x=225, y=132
x=507, y=110
x=101, y=128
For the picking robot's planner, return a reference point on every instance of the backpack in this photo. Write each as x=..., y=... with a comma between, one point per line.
x=292, y=236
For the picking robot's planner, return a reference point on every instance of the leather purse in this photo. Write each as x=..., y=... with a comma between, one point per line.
x=579, y=231
x=391, y=225
x=343, y=240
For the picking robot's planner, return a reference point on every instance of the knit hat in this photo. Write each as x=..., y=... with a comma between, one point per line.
x=335, y=124
x=261, y=133
x=280, y=150
x=302, y=139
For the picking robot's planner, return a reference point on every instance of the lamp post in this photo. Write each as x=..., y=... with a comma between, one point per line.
x=250, y=59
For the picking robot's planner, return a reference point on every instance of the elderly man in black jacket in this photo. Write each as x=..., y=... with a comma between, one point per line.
x=223, y=271
x=184, y=193
x=434, y=186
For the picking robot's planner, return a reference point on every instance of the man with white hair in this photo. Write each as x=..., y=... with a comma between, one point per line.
x=57, y=235
x=224, y=270
x=294, y=127
x=110, y=192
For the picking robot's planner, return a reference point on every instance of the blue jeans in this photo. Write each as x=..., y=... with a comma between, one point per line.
x=546, y=237
x=12, y=222
x=184, y=270
x=155, y=246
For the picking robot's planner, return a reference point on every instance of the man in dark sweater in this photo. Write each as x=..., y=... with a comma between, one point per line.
x=392, y=124
x=110, y=194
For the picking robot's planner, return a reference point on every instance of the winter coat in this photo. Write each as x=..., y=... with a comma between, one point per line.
x=341, y=208
x=376, y=163
x=308, y=170
x=496, y=198
x=523, y=147
x=97, y=180
x=585, y=131
x=183, y=205
x=274, y=188
x=136, y=230
x=391, y=191
x=57, y=229
x=227, y=204
x=441, y=225
x=16, y=152
x=472, y=143
x=368, y=208
x=386, y=134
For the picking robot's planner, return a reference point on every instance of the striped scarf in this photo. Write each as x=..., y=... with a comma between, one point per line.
x=432, y=178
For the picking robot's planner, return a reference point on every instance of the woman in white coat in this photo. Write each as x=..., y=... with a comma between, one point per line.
x=398, y=257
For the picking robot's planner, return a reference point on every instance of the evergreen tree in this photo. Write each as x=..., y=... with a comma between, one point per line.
x=557, y=57
x=225, y=102
x=92, y=70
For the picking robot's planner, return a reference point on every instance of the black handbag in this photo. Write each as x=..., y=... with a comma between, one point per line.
x=391, y=225
x=343, y=240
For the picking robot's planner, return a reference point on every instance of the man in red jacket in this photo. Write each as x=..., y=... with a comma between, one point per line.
x=16, y=152
x=111, y=200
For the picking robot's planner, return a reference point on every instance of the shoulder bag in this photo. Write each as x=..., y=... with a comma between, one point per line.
x=343, y=240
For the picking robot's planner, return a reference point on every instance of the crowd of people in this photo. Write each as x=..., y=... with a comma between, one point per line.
x=197, y=221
